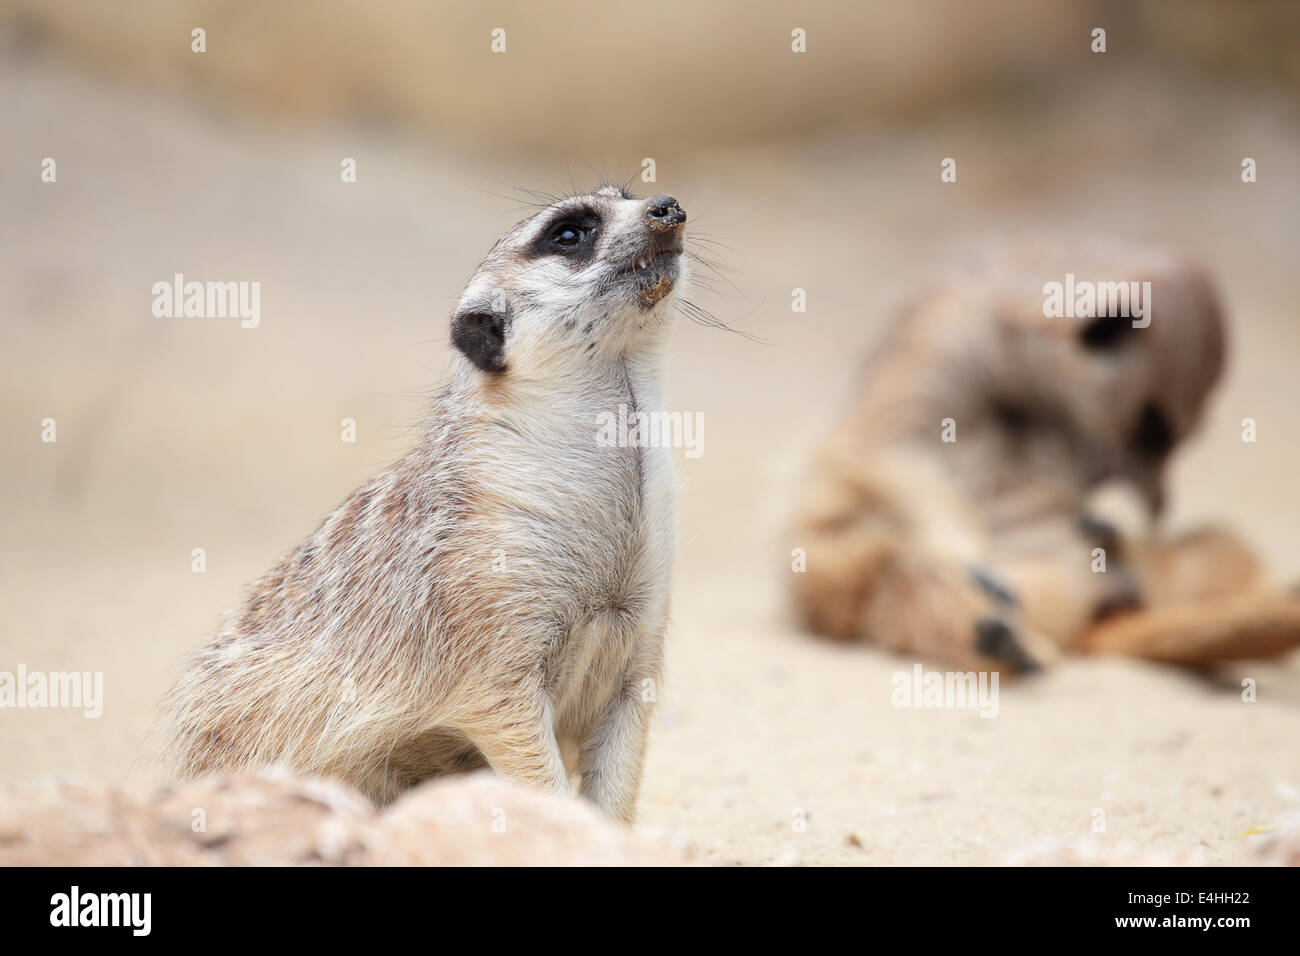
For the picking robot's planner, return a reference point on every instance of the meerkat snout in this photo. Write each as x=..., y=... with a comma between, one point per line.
x=665, y=213
x=657, y=268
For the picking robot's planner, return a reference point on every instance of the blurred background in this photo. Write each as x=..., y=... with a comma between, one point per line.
x=815, y=170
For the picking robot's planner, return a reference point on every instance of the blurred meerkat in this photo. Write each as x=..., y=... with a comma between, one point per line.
x=947, y=513
x=498, y=596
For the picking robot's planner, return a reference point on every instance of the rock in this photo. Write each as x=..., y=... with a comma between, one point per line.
x=274, y=818
x=271, y=818
x=81, y=823
x=481, y=820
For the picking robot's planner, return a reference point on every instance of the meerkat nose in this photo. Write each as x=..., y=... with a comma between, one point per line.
x=664, y=212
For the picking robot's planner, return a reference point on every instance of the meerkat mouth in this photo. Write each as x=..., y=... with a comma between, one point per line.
x=654, y=274
x=650, y=260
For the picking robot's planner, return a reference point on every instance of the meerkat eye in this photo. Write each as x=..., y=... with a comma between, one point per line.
x=569, y=234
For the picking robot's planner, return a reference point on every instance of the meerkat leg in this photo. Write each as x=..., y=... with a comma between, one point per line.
x=962, y=616
x=520, y=744
x=1082, y=573
x=1067, y=573
x=1204, y=632
x=876, y=569
x=875, y=587
x=1195, y=566
x=613, y=755
x=1205, y=600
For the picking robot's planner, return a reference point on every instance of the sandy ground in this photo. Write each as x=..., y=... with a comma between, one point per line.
x=183, y=434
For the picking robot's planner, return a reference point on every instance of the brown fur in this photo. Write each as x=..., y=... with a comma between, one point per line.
x=979, y=552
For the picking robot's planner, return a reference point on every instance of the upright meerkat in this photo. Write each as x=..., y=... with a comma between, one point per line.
x=947, y=512
x=499, y=596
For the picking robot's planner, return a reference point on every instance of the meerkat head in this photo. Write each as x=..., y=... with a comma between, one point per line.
x=587, y=278
x=1126, y=387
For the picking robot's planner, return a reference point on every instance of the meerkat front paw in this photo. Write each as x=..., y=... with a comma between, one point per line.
x=996, y=639
x=1120, y=591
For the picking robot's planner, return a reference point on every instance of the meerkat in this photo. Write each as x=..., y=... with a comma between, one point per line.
x=947, y=513
x=500, y=595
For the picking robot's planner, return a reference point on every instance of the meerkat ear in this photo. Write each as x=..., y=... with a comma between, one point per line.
x=481, y=337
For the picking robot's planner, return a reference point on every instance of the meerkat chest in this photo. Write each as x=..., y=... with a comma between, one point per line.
x=589, y=500
x=622, y=519
x=632, y=428
x=610, y=542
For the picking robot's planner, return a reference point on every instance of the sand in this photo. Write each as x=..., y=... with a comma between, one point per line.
x=770, y=746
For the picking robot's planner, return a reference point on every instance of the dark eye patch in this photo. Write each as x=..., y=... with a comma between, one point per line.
x=1105, y=333
x=1154, y=435
x=1012, y=416
x=571, y=233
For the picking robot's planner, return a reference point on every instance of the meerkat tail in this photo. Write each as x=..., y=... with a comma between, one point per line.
x=1207, y=632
